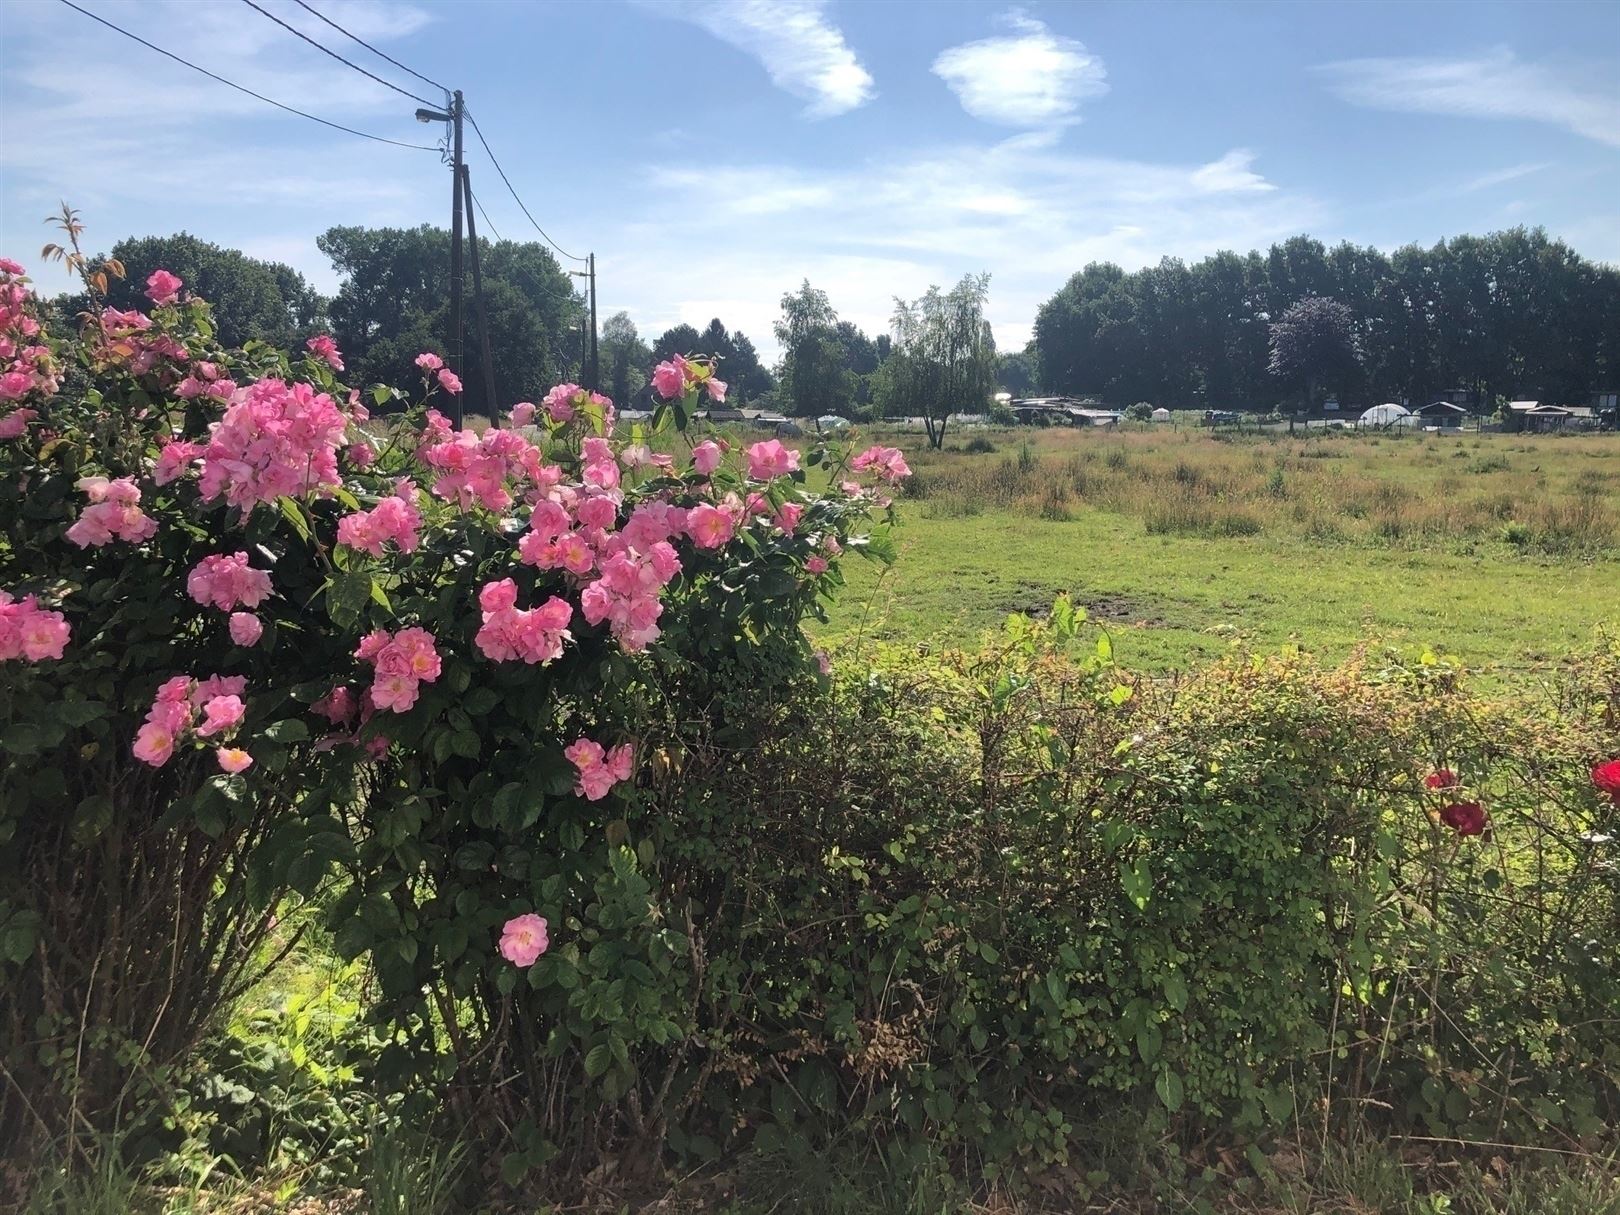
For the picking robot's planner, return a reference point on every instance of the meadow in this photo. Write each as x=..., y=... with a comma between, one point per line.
x=1502, y=549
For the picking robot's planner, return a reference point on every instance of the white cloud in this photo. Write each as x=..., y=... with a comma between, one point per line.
x=890, y=227
x=1486, y=181
x=1496, y=85
x=1030, y=78
x=805, y=53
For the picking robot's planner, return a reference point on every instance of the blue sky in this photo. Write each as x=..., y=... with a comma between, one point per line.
x=714, y=152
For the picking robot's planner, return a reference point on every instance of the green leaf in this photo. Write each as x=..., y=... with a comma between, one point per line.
x=1175, y=991
x=1168, y=1086
x=289, y=730
x=598, y=1059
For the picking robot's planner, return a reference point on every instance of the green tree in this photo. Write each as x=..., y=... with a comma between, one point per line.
x=1315, y=343
x=812, y=372
x=252, y=298
x=944, y=356
x=1015, y=372
x=626, y=360
x=394, y=304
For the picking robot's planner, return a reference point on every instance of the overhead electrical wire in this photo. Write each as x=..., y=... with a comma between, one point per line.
x=574, y=256
x=369, y=47
x=488, y=223
x=336, y=126
x=298, y=33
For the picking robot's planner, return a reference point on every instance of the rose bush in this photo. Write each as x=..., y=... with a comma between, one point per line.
x=257, y=644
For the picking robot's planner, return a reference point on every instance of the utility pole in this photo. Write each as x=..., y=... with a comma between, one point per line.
x=454, y=342
x=480, y=302
x=596, y=364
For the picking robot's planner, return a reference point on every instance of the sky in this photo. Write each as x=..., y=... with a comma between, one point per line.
x=714, y=153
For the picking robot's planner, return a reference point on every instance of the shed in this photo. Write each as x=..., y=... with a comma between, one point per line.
x=1444, y=412
x=1161, y=414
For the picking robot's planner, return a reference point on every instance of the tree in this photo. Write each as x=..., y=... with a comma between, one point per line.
x=394, y=304
x=252, y=299
x=944, y=357
x=625, y=357
x=1315, y=342
x=1015, y=372
x=812, y=353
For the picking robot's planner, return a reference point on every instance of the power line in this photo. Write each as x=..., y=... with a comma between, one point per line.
x=328, y=51
x=479, y=203
x=369, y=47
x=336, y=126
x=514, y=193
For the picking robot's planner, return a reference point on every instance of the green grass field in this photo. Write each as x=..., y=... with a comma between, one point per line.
x=1501, y=549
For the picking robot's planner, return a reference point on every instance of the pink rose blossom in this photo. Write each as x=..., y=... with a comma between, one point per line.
x=428, y=361
x=559, y=402
x=524, y=939
x=770, y=459
x=716, y=388
x=325, y=348
x=233, y=759
x=227, y=582
x=523, y=413
x=220, y=714
x=887, y=462
x=154, y=744
x=449, y=380
x=246, y=628
x=598, y=770
x=162, y=287
x=361, y=454
x=669, y=380
x=274, y=439
x=709, y=526
x=706, y=457
x=16, y=422
x=816, y=565
x=29, y=632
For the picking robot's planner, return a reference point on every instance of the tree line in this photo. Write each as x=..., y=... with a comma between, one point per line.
x=393, y=302
x=1513, y=313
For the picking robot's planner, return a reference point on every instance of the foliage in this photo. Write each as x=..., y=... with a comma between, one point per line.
x=251, y=299
x=1515, y=311
x=1315, y=342
x=137, y=882
x=394, y=304
x=812, y=373
x=736, y=359
x=944, y=358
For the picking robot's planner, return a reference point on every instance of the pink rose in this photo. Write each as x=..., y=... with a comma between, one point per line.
x=523, y=413
x=162, y=287
x=770, y=459
x=428, y=361
x=449, y=380
x=669, y=380
x=246, y=628
x=325, y=348
x=154, y=744
x=220, y=714
x=709, y=526
x=233, y=759
x=524, y=939
x=706, y=457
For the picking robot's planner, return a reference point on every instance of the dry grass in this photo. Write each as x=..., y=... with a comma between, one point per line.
x=1548, y=495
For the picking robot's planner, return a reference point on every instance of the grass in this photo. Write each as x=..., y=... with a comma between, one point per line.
x=1503, y=549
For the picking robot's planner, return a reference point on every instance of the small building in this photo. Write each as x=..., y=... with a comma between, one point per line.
x=1161, y=414
x=1443, y=413
x=1386, y=415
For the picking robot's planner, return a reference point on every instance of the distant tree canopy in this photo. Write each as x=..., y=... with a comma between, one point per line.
x=1315, y=343
x=395, y=303
x=625, y=358
x=251, y=298
x=1515, y=312
x=828, y=366
x=944, y=357
x=745, y=377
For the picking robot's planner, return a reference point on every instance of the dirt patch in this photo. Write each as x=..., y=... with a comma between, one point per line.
x=1034, y=600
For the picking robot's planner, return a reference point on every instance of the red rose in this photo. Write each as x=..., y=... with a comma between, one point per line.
x=1465, y=818
x=1606, y=776
x=1441, y=778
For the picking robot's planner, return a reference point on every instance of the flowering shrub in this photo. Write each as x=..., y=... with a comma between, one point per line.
x=280, y=644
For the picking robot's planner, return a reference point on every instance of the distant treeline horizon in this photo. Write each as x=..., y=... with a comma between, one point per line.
x=1512, y=313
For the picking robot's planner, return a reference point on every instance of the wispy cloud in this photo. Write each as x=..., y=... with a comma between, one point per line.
x=804, y=52
x=1495, y=85
x=1029, y=78
x=1501, y=177
x=891, y=226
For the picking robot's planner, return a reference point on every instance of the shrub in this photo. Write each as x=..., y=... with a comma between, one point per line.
x=339, y=672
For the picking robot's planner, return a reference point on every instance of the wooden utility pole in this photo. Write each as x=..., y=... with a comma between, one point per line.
x=456, y=411
x=487, y=359
x=596, y=365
